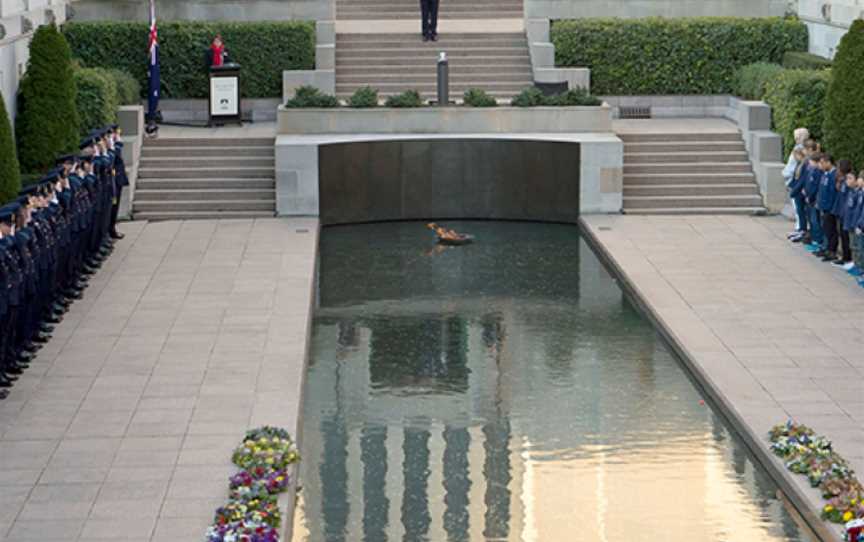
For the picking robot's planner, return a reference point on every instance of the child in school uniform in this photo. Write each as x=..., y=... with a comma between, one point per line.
x=795, y=175
x=811, y=191
x=858, y=224
x=826, y=196
x=844, y=210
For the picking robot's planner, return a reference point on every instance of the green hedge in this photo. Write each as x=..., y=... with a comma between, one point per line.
x=672, y=56
x=10, y=173
x=797, y=99
x=128, y=88
x=265, y=49
x=798, y=60
x=97, y=99
x=751, y=80
x=844, y=108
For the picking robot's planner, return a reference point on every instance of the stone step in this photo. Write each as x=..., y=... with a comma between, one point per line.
x=687, y=178
x=694, y=169
x=430, y=70
x=440, y=45
x=204, y=184
x=700, y=189
x=444, y=37
x=405, y=5
x=683, y=157
x=424, y=53
x=700, y=201
x=235, y=142
x=182, y=195
x=693, y=137
x=387, y=79
x=193, y=161
x=204, y=205
x=203, y=173
x=392, y=61
x=240, y=152
x=698, y=211
x=684, y=146
x=430, y=94
x=414, y=14
x=155, y=216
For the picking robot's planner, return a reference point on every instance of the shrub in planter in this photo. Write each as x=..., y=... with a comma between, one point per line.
x=265, y=49
x=530, y=97
x=797, y=99
x=672, y=56
x=47, y=123
x=96, y=97
x=474, y=97
x=751, y=80
x=128, y=88
x=844, y=107
x=574, y=96
x=364, y=97
x=10, y=173
x=307, y=96
x=799, y=60
x=409, y=98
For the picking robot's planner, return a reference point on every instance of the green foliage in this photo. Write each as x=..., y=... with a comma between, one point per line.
x=264, y=49
x=10, y=173
x=47, y=123
x=311, y=97
x=474, y=97
x=797, y=100
x=409, y=98
x=672, y=56
x=364, y=97
x=800, y=60
x=534, y=97
x=751, y=80
x=97, y=98
x=128, y=88
x=844, y=107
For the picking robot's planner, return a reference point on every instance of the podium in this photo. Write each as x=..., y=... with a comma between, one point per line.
x=224, y=106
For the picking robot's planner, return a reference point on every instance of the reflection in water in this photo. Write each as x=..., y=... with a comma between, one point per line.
x=506, y=391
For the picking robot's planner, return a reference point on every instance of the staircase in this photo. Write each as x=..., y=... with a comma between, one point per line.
x=393, y=63
x=410, y=9
x=184, y=178
x=688, y=173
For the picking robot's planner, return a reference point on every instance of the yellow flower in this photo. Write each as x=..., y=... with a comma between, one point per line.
x=853, y=502
x=847, y=516
x=280, y=478
x=269, y=460
x=828, y=508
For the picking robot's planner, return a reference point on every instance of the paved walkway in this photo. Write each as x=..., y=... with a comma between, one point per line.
x=779, y=333
x=123, y=427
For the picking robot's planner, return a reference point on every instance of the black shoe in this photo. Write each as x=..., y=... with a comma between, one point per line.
x=3, y=394
x=797, y=239
x=434, y=37
x=5, y=382
x=425, y=38
x=827, y=257
x=46, y=328
x=41, y=338
x=24, y=357
x=30, y=347
x=53, y=319
x=839, y=261
x=117, y=235
x=14, y=370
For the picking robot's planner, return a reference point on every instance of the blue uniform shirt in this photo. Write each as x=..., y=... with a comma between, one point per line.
x=827, y=193
x=811, y=185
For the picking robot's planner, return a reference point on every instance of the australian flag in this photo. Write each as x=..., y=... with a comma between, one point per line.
x=153, y=67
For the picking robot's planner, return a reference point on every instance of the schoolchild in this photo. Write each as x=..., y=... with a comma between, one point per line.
x=826, y=196
x=811, y=191
x=842, y=209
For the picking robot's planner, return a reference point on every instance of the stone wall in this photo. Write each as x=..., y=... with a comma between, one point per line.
x=572, y=9
x=206, y=10
x=828, y=21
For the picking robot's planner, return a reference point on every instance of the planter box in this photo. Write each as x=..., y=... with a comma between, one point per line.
x=445, y=120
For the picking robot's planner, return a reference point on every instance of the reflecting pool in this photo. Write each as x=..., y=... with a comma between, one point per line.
x=507, y=391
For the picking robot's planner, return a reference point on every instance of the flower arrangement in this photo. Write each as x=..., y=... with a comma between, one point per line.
x=812, y=456
x=252, y=512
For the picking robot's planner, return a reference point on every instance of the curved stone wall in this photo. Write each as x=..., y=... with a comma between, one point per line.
x=449, y=179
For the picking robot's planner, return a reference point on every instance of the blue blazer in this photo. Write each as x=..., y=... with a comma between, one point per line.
x=811, y=184
x=797, y=185
x=827, y=193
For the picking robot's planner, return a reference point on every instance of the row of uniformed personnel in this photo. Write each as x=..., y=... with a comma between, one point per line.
x=53, y=237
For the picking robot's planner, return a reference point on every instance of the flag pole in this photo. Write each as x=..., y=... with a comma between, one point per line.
x=153, y=79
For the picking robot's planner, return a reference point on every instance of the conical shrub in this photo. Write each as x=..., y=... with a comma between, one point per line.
x=47, y=123
x=10, y=173
x=844, y=107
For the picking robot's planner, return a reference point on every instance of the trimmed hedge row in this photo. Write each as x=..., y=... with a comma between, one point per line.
x=797, y=99
x=265, y=49
x=672, y=56
x=805, y=61
x=97, y=98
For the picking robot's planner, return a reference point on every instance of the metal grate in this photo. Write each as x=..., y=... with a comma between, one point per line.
x=634, y=112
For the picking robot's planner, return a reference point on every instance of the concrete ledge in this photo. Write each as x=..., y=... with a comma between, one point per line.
x=205, y=10
x=769, y=175
x=806, y=501
x=753, y=115
x=254, y=110
x=542, y=53
x=445, y=120
x=297, y=167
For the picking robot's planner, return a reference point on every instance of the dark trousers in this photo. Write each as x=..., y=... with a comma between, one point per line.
x=830, y=226
x=429, y=13
x=115, y=208
x=845, y=242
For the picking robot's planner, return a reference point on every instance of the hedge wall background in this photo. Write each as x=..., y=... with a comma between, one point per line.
x=264, y=49
x=672, y=56
x=797, y=98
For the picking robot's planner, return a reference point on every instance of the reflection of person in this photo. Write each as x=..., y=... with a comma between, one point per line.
x=443, y=233
x=429, y=16
x=217, y=51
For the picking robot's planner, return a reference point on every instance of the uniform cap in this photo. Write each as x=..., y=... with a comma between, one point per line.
x=86, y=142
x=30, y=190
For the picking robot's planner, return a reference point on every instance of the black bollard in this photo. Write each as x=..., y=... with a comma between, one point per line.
x=443, y=80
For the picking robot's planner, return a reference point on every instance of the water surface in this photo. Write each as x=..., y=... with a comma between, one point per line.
x=507, y=391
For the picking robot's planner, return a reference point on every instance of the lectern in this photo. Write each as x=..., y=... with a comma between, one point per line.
x=225, y=95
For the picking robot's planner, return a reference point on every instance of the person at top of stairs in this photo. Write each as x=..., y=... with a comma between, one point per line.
x=429, y=19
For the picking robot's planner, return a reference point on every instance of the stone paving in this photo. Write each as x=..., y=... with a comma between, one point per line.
x=777, y=332
x=122, y=428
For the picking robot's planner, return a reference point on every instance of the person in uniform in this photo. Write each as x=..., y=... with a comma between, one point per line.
x=429, y=19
